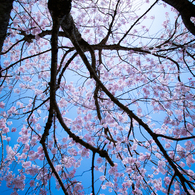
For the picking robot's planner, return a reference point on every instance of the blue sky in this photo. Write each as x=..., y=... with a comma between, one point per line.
x=83, y=173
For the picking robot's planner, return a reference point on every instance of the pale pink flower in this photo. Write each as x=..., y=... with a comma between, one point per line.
x=13, y=129
x=32, y=183
x=26, y=164
x=99, y=160
x=2, y=104
x=102, y=178
x=54, y=151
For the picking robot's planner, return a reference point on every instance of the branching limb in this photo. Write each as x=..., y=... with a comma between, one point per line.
x=77, y=139
x=132, y=115
x=56, y=17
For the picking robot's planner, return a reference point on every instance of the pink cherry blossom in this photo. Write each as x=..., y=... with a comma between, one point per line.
x=109, y=99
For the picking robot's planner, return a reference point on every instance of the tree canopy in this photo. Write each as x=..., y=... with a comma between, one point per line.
x=97, y=90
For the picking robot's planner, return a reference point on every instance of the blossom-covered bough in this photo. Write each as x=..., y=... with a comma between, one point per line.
x=103, y=92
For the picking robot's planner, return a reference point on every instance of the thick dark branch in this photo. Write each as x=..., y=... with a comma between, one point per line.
x=74, y=35
x=59, y=8
x=72, y=32
x=175, y=139
x=56, y=15
x=44, y=136
x=97, y=103
x=5, y=9
x=92, y=174
x=169, y=188
x=186, y=10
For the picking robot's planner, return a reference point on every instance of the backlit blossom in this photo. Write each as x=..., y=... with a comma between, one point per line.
x=112, y=112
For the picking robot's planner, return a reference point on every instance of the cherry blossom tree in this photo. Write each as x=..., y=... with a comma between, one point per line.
x=104, y=83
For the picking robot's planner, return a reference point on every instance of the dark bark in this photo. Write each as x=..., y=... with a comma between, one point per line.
x=59, y=8
x=5, y=9
x=186, y=10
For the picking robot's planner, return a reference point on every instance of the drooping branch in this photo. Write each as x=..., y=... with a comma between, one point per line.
x=77, y=139
x=57, y=13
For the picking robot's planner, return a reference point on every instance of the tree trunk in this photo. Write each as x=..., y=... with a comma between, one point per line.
x=5, y=9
